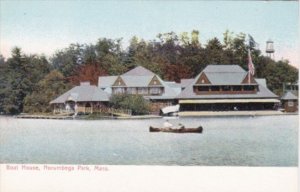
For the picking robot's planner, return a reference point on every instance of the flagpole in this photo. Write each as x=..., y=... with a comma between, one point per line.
x=251, y=69
x=248, y=77
x=248, y=66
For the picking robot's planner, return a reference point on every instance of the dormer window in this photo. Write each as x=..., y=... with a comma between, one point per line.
x=202, y=81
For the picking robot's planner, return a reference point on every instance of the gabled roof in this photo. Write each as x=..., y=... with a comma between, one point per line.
x=136, y=81
x=106, y=81
x=226, y=78
x=171, y=90
x=224, y=69
x=139, y=71
x=137, y=77
x=216, y=73
x=263, y=92
x=224, y=74
x=185, y=82
x=139, y=81
x=82, y=93
x=141, y=77
x=261, y=81
x=173, y=84
x=289, y=96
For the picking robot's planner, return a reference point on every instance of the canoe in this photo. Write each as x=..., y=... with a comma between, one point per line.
x=180, y=130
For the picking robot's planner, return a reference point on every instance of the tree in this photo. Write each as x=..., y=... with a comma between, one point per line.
x=214, y=52
x=87, y=72
x=19, y=75
x=110, y=55
x=195, y=38
x=136, y=103
x=17, y=85
x=278, y=73
x=2, y=60
x=169, y=55
x=53, y=85
x=176, y=72
x=3, y=82
x=68, y=59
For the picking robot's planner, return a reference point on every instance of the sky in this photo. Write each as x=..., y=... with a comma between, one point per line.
x=43, y=27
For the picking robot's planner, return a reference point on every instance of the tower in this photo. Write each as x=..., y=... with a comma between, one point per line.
x=270, y=49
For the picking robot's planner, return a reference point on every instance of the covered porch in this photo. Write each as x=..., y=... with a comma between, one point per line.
x=229, y=104
x=79, y=107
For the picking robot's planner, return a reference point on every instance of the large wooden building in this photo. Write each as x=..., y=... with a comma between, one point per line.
x=88, y=99
x=143, y=82
x=84, y=98
x=216, y=88
x=226, y=88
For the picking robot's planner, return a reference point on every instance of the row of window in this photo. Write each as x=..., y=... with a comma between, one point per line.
x=226, y=88
x=139, y=90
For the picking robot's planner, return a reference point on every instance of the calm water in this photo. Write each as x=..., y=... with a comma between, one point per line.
x=234, y=141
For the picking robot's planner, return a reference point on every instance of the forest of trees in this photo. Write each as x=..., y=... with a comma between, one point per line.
x=29, y=82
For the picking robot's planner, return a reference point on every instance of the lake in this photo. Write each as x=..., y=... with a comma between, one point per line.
x=226, y=141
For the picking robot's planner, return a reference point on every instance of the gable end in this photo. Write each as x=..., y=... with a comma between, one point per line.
x=119, y=82
x=246, y=79
x=155, y=82
x=202, y=79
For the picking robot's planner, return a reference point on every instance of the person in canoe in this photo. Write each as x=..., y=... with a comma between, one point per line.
x=167, y=124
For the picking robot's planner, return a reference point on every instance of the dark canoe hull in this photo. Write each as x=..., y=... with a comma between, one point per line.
x=181, y=130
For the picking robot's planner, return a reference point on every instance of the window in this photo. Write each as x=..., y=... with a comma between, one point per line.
x=143, y=90
x=131, y=90
x=237, y=88
x=225, y=88
x=290, y=103
x=119, y=90
x=203, y=88
x=215, y=88
x=249, y=88
x=155, y=90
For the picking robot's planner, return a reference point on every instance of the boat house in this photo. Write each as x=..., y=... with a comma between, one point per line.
x=142, y=81
x=216, y=88
x=226, y=88
x=85, y=98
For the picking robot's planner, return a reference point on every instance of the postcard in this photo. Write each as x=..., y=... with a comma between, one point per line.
x=149, y=96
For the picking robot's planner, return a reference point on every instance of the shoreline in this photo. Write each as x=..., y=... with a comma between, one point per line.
x=180, y=114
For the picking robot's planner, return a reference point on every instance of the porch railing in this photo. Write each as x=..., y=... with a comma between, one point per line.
x=95, y=110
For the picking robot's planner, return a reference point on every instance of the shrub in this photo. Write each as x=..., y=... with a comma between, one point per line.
x=136, y=103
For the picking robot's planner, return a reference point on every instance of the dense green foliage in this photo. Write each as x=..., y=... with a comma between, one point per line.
x=19, y=75
x=136, y=103
x=26, y=79
x=53, y=85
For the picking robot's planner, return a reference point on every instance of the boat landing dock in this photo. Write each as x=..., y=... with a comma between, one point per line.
x=43, y=117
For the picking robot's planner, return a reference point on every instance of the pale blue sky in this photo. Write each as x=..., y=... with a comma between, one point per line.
x=46, y=26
